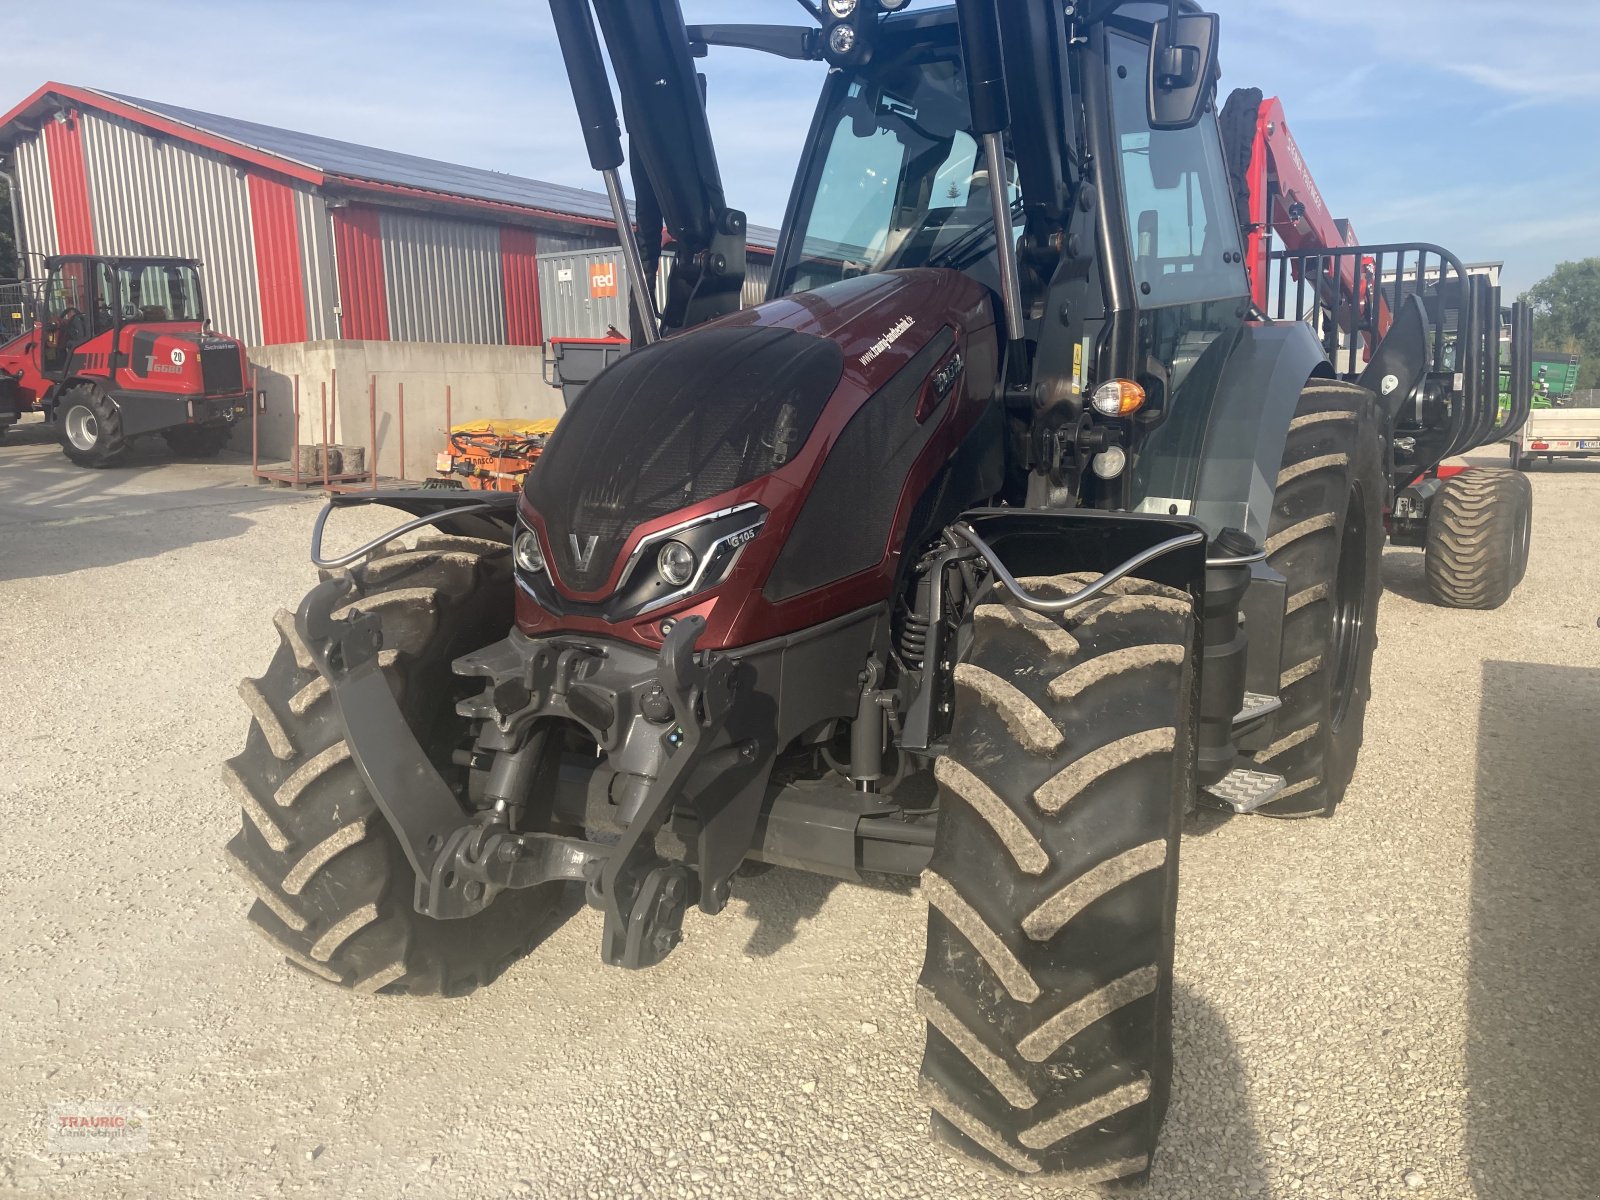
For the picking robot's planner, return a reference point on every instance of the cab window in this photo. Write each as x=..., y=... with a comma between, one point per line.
x=1182, y=232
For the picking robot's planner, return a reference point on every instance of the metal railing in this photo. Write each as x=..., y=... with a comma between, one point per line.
x=1352, y=296
x=18, y=303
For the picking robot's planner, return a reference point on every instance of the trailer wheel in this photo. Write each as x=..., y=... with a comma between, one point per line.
x=1326, y=540
x=333, y=887
x=1521, y=461
x=197, y=441
x=1047, y=983
x=91, y=427
x=1479, y=529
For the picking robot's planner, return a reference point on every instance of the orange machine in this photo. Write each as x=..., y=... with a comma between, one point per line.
x=493, y=456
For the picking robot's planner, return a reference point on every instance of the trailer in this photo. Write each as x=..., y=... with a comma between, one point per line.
x=1552, y=433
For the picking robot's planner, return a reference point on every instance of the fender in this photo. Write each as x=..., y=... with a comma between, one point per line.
x=1249, y=425
x=1038, y=542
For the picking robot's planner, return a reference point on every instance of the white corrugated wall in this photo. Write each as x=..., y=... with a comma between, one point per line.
x=444, y=279
x=38, y=210
x=317, y=264
x=152, y=196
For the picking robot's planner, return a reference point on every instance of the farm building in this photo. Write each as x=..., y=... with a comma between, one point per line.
x=303, y=238
x=366, y=282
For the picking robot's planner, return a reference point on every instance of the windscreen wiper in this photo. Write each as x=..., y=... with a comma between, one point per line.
x=973, y=245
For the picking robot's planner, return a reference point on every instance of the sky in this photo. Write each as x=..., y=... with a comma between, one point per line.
x=1467, y=123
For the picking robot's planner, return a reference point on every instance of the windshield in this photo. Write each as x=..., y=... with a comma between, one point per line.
x=902, y=182
x=155, y=292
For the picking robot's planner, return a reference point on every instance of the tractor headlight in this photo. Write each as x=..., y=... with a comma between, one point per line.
x=843, y=39
x=1110, y=462
x=530, y=558
x=676, y=563
x=893, y=5
x=842, y=9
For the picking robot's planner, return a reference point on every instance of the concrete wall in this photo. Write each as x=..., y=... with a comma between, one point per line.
x=483, y=381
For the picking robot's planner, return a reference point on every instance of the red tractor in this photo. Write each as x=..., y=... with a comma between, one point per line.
x=119, y=348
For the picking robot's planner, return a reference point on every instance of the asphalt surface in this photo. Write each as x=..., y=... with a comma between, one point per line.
x=1398, y=1002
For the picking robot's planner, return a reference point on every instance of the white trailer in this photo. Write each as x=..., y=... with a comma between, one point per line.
x=1553, y=433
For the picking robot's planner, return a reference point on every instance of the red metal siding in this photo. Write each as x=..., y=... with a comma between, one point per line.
x=519, y=264
x=277, y=246
x=363, y=291
x=69, y=187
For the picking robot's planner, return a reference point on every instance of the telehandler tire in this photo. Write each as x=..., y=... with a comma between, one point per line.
x=1047, y=984
x=197, y=441
x=333, y=887
x=1326, y=540
x=90, y=427
x=1479, y=530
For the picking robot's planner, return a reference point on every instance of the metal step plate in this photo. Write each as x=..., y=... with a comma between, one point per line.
x=1244, y=791
x=1255, y=707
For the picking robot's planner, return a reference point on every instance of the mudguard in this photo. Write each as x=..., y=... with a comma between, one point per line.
x=1249, y=426
x=1041, y=542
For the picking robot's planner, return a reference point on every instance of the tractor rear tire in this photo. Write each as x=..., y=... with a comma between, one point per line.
x=90, y=427
x=334, y=890
x=198, y=441
x=1479, y=530
x=1047, y=984
x=1326, y=539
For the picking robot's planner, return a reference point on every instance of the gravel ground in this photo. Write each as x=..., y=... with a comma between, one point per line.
x=1397, y=1002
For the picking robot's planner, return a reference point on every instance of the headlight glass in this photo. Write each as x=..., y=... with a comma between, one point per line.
x=527, y=553
x=842, y=39
x=676, y=563
x=1110, y=463
x=842, y=8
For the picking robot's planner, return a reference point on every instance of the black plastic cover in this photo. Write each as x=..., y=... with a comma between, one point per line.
x=845, y=523
x=669, y=426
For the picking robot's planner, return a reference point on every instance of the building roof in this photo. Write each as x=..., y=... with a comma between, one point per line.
x=321, y=160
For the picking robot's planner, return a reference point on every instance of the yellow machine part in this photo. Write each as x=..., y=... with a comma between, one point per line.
x=507, y=428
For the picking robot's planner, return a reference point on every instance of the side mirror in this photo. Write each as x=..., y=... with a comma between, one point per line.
x=1183, y=67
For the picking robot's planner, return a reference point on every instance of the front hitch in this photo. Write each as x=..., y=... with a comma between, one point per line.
x=461, y=862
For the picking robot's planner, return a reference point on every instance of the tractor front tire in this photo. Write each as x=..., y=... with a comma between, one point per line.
x=334, y=890
x=1047, y=984
x=90, y=428
x=1479, y=530
x=1326, y=540
x=197, y=441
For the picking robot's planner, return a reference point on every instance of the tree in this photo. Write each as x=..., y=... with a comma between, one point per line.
x=1566, y=314
x=8, y=236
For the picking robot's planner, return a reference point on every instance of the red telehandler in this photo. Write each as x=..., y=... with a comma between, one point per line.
x=1474, y=524
x=118, y=348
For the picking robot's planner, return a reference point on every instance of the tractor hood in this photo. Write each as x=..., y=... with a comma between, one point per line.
x=728, y=431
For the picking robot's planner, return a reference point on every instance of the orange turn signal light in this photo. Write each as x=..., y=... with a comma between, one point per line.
x=1118, y=398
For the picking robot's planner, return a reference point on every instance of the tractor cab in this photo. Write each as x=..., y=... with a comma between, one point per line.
x=119, y=348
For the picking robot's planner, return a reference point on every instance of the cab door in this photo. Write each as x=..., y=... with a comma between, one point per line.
x=68, y=314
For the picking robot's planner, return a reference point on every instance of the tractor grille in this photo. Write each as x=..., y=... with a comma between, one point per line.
x=672, y=425
x=220, y=370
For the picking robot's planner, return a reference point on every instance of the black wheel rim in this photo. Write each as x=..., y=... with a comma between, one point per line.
x=1349, y=606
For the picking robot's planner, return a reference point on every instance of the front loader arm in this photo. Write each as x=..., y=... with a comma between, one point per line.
x=663, y=108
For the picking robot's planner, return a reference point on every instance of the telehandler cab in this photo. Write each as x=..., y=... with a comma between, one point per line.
x=1006, y=530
